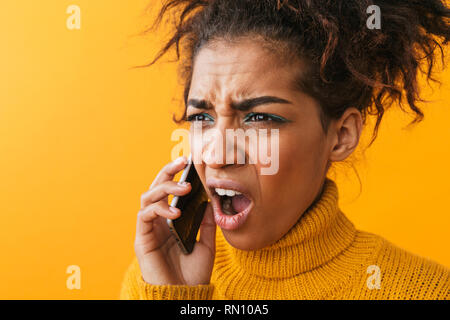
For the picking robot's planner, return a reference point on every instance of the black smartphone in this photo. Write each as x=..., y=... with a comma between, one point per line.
x=192, y=207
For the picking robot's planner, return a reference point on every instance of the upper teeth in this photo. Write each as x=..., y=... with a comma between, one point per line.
x=226, y=192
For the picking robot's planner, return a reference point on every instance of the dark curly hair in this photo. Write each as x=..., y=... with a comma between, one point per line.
x=348, y=64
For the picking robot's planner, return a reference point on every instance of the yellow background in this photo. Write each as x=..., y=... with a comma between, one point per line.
x=82, y=136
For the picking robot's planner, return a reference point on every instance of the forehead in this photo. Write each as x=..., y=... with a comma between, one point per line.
x=240, y=68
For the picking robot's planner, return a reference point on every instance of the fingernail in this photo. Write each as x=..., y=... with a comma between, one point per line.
x=183, y=184
x=173, y=210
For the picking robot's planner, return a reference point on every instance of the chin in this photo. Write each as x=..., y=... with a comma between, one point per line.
x=244, y=240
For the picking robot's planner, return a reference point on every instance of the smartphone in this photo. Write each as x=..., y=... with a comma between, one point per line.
x=192, y=207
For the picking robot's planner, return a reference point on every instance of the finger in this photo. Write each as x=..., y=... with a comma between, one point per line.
x=169, y=171
x=208, y=229
x=162, y=190
x=149, y=214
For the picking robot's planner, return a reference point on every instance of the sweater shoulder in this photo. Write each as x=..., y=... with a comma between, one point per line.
x=405, y=275
x=135, y=288
x=130, y=289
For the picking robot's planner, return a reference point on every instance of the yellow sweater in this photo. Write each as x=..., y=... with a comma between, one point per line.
x=322, y=257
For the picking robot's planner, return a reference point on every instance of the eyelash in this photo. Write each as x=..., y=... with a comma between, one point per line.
x=271, y=117
x=193, y=117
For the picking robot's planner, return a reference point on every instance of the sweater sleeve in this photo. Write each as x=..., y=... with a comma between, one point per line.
x=135, y=288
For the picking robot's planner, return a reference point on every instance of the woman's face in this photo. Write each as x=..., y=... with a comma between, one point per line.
x=224, y=75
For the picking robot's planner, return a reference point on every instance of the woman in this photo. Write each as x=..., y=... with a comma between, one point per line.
x=314, y=71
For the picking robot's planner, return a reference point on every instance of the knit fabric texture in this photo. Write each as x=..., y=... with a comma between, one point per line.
x=322, y=256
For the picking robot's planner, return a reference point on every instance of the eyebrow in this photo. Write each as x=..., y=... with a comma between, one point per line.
x=239, y=105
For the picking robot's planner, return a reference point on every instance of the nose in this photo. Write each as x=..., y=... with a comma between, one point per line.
x=220, y=148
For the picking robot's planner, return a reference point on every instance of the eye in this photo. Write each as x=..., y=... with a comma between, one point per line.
x=199, y=117
x=263, y=117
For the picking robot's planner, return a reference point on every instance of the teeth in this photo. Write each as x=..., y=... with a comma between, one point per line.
x=230, y=193
x=227, y=192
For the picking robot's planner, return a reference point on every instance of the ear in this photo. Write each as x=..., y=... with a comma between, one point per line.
x=347, y=131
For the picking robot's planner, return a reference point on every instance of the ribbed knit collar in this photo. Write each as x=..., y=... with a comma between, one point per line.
x=321, y=233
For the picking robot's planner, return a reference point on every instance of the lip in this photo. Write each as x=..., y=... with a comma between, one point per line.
x=223, y=220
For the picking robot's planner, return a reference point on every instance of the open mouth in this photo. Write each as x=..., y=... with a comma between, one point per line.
x=231, y=201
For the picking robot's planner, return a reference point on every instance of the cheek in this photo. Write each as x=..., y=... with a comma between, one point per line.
x=302, y=149
x=300, y=163
x=298, y=153
x=200, y=168
x=195, y=143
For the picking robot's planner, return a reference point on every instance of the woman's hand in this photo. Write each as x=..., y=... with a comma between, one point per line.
x=160, y=259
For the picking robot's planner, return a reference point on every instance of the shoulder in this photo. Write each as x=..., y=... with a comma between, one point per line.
x=405, y=275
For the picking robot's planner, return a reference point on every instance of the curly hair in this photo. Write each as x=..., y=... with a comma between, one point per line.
x=348, y=64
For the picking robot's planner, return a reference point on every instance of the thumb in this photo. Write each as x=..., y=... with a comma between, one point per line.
x=208, y=229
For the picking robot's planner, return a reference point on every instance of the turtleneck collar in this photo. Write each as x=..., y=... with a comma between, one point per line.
x=321, y=233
